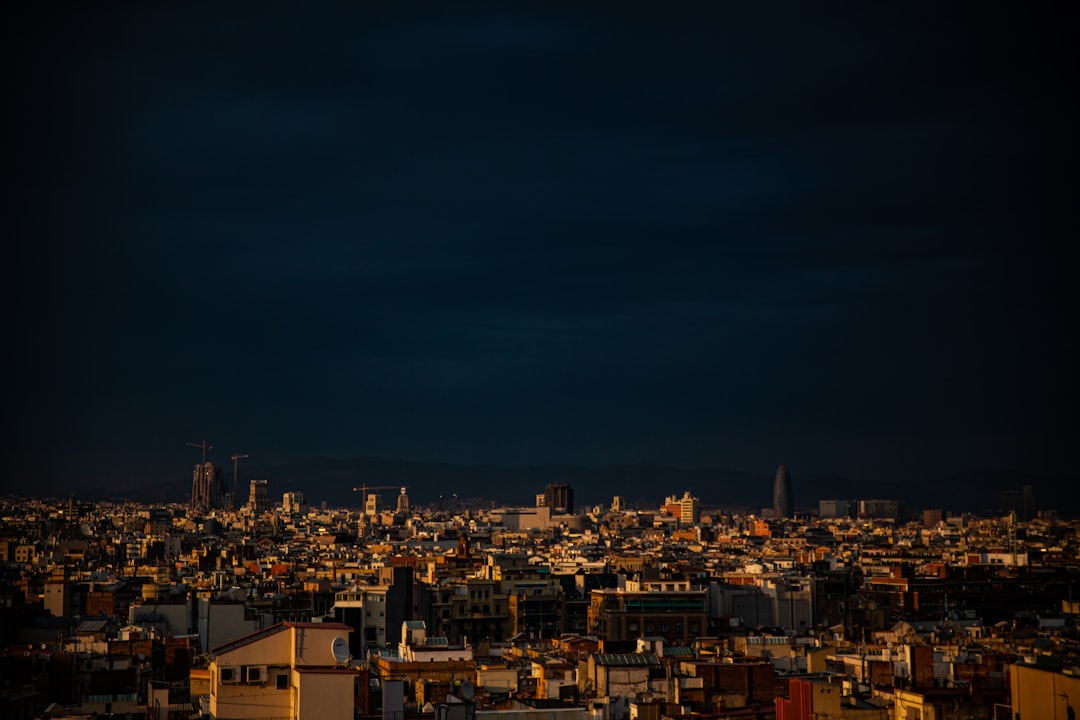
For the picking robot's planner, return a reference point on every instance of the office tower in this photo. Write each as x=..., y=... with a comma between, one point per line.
x=207, y=487
x=876, y=508
x=259, y=497
x=1021, y=502
x=403, y=503
x=1027, y=503
x=560, y=498
x=1011, y=501
x=374, y=505
x=783, y=499
x=293, y=503
x=834, y=508
x=689, y=509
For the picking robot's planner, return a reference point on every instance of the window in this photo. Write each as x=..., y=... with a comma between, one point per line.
x=282, y=682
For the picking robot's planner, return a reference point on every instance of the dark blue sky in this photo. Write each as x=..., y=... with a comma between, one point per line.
x=696, y=234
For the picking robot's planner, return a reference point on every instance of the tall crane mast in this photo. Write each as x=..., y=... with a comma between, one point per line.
x=236, y=478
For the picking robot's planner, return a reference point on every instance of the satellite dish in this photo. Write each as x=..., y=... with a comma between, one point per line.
x=339, y=649
x=467, y=690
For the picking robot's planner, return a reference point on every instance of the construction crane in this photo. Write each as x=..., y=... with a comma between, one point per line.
x=203, y=446
x=363, y=490
x=236, y=479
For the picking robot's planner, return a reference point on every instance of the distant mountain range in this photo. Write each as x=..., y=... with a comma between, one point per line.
x=640, y=485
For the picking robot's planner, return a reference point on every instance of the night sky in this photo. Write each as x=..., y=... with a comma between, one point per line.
x=729, y=235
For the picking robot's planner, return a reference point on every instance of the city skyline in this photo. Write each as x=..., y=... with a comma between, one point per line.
x=698, y=237
x=354, y=483
x=152, y=607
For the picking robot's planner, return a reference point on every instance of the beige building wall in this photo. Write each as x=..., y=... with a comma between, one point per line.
x=299, y=676
x=271, y=650
x=1039, y=693
x=237, y=702
x=312, y=645
x=322, y=694
x=497, y=679
x=909, y=705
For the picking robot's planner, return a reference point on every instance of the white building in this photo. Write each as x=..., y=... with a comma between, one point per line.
x=363, y=608
x=416, y=646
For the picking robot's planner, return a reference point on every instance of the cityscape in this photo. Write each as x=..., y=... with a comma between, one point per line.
x=259, y=604
x=540, y=361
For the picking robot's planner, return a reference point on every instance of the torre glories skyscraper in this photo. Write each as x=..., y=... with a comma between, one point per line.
x=783, y=498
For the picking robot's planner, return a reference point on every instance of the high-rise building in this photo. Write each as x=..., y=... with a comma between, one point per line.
x=374, y=505
x=689, y=509
x=293, y=503
x=207, y=487
x=402, y=504
x=1027, y=504
x=560, y=498
x=834, y=508
x=1021, y=502
x=259, y=497
x=876, y=508
x=783, y=498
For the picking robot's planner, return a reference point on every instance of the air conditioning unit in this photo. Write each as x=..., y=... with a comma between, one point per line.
x=229, y=674
x=255, y=674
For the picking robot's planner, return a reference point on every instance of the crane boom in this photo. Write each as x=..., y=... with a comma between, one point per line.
x=363, y=490
x=203, y=446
